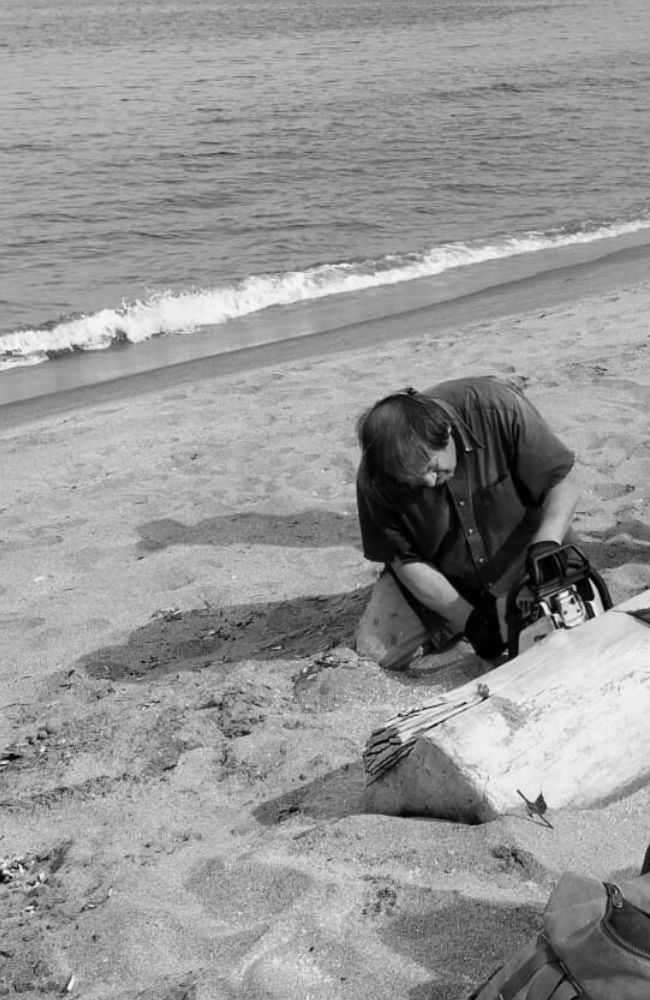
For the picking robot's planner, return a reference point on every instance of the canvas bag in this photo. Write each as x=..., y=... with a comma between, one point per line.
x=595, y=946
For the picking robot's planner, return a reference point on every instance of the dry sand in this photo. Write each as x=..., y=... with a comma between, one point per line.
x=183, y=717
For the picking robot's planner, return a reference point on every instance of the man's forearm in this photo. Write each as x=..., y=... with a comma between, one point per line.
x=557, y=511
x=433, y=590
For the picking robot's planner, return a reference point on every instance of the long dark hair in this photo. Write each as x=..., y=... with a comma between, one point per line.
x=398, y=433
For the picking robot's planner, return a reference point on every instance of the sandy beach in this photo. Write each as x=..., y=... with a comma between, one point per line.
x=182, y=713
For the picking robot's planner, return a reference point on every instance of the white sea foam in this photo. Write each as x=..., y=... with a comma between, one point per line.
x=185, y=312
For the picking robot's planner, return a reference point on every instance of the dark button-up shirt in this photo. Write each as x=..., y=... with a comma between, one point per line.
x=474, y=526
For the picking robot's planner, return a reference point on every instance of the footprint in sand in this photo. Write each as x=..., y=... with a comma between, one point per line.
x=249, y=892
x=611, y=491
x=18, y=624
x=171, y=577
x=286, y=974
x=638, y=530
x=40, y=539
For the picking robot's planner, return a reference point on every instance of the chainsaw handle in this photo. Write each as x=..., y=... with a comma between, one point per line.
x=563, y=566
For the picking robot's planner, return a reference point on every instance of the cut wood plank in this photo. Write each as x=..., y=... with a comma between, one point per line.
x=570, y=717
x=398, y=736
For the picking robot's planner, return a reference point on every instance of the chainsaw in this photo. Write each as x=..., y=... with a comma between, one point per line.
x=562, y=590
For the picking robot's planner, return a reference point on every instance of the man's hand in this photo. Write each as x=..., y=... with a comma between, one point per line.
x=483, y=631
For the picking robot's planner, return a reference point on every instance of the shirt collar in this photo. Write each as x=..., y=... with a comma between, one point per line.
x=468, y=439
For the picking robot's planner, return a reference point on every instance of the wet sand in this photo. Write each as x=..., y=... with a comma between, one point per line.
x=183, y=715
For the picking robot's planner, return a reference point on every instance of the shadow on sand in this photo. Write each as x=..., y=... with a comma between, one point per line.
x=309, y=529
x=626, y=542
x=440, y=939
x=175, y=641
x=336, y=794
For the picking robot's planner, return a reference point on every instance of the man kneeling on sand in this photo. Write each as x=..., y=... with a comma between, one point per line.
x=458, y=486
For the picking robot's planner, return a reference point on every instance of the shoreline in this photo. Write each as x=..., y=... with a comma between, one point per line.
x=93, y=377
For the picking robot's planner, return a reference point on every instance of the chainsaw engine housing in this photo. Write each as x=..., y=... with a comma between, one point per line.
x=562, y=591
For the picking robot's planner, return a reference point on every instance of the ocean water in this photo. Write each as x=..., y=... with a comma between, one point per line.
x=169, y=165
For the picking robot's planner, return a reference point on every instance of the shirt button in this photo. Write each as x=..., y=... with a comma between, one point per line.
x=470, y=531
x=481, y=560
x=461, y=503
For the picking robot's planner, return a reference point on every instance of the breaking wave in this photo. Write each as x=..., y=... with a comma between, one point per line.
x=186, y=311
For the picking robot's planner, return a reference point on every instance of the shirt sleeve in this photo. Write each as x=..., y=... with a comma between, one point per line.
x=382, y=540
x=539, y=459
x=376, y=546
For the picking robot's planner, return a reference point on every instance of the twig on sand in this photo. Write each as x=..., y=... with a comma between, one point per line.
x=536, y=808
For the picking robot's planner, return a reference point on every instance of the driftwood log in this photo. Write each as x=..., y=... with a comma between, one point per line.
x=568, y=719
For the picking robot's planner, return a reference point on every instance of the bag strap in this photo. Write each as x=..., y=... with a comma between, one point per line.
x=542, y=955
x=645, y=867
x=552, y=983
x=555, y=982
x=567, y=991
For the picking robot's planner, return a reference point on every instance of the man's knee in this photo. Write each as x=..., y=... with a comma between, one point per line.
x=390, y=631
